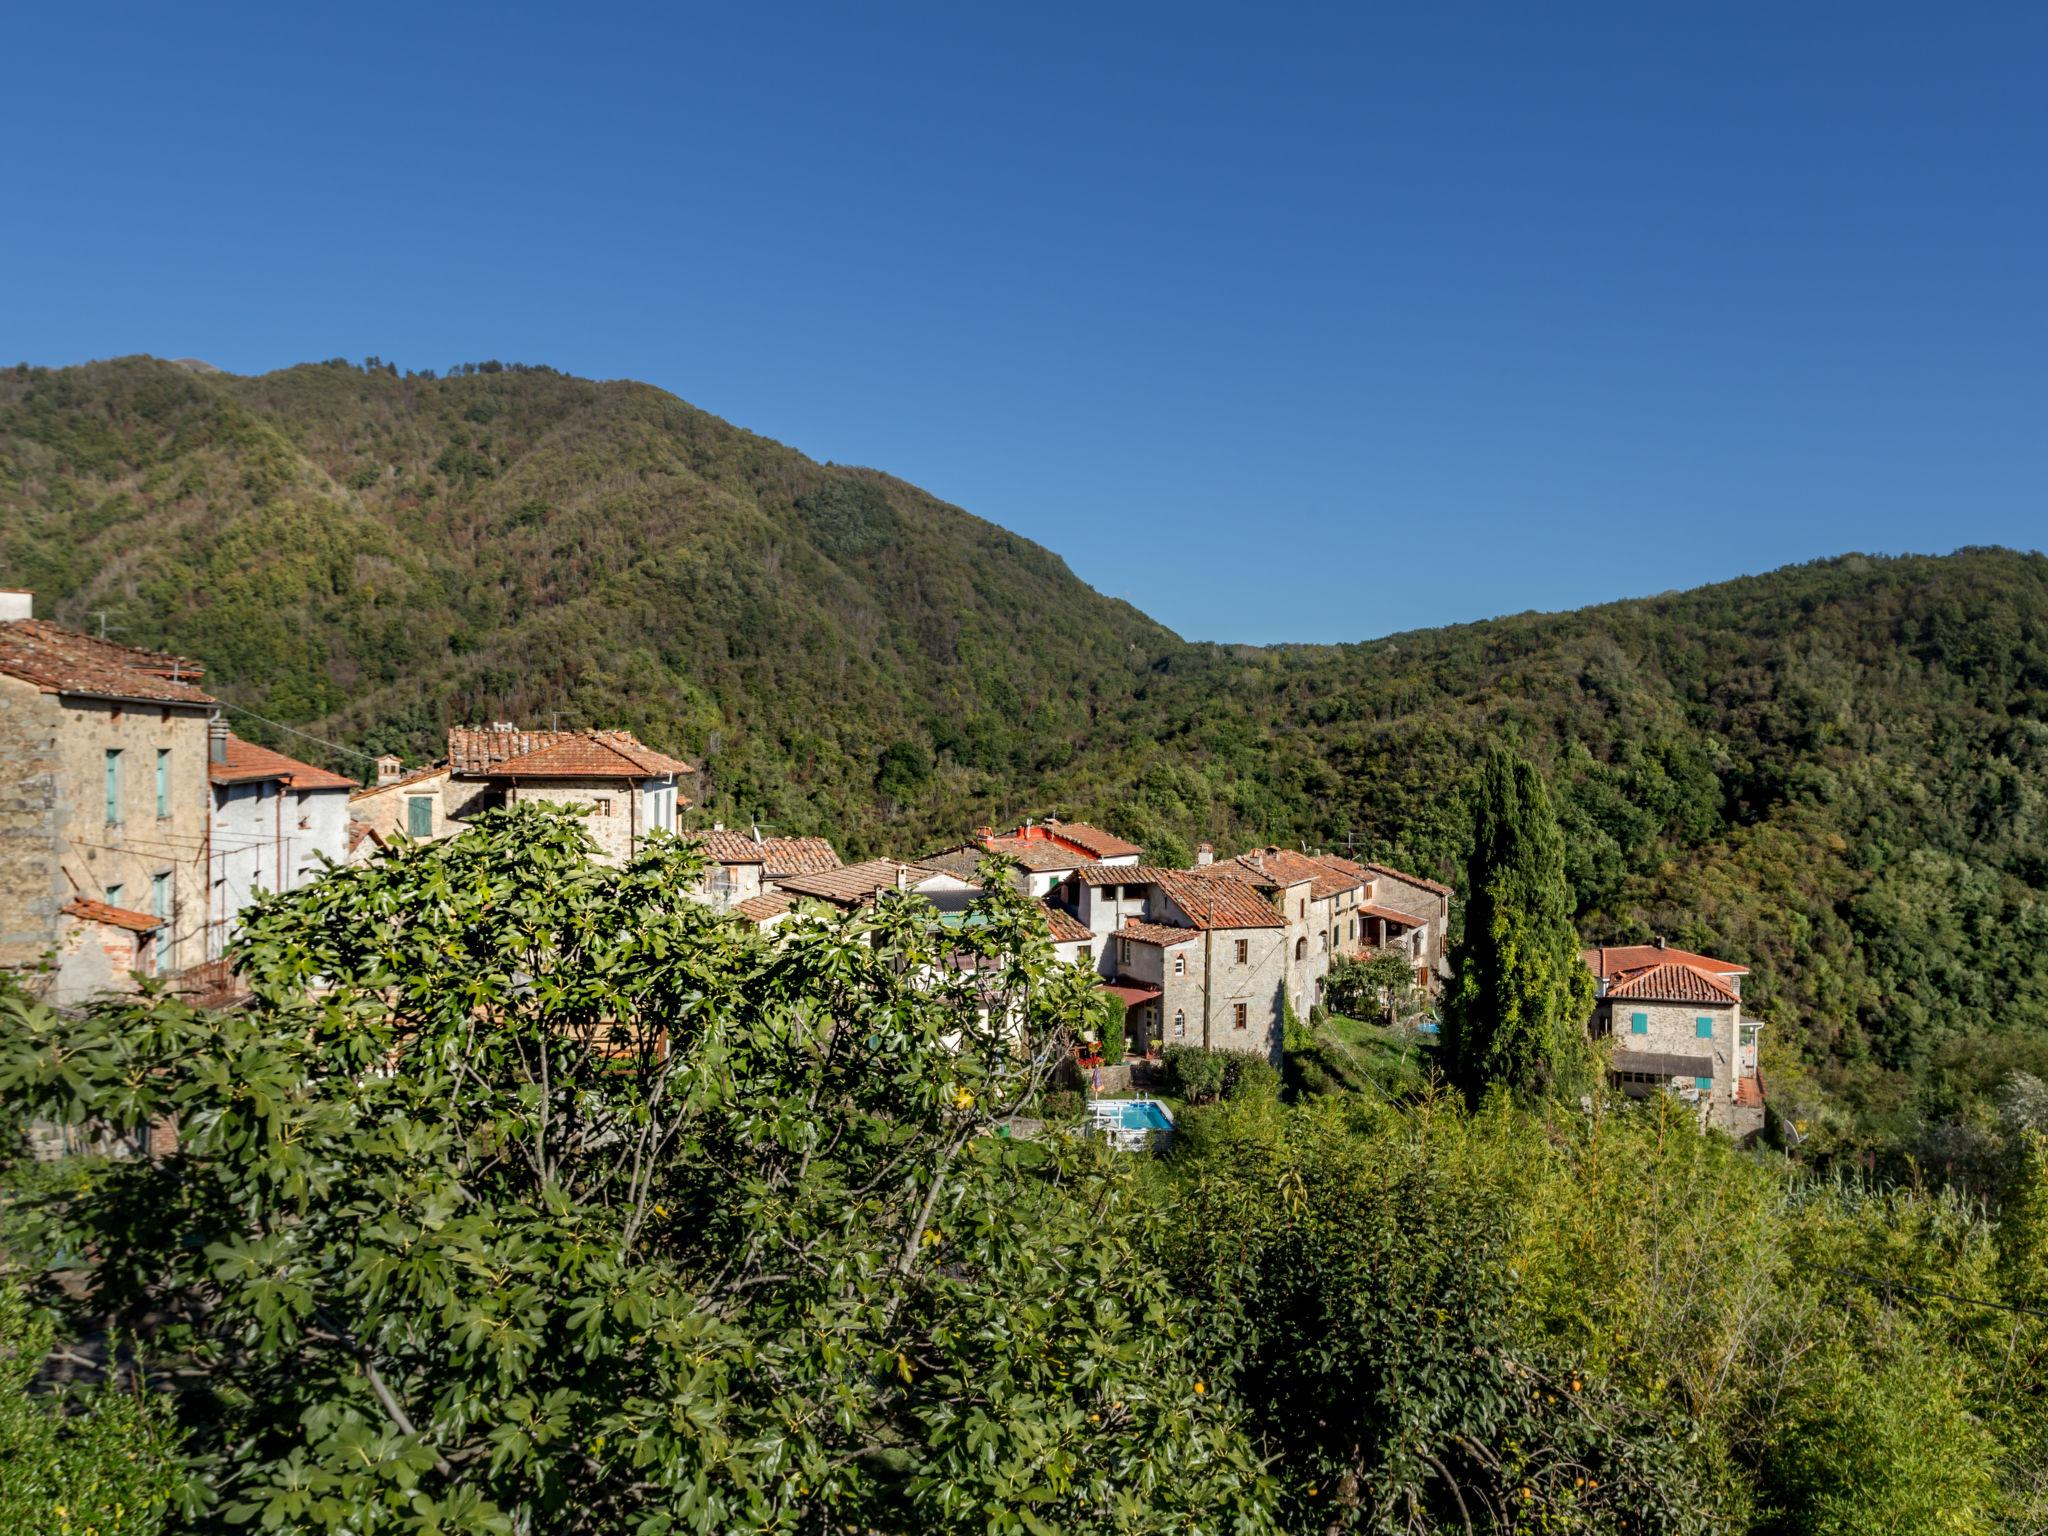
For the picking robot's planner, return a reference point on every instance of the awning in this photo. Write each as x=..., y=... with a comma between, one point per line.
x=1132, y=995
x=1659, y=1064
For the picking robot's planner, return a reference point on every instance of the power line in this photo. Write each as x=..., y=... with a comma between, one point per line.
x=292, y=730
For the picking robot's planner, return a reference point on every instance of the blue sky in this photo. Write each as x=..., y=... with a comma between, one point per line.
x=1282, y=323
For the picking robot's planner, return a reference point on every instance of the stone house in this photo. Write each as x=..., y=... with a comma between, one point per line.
x=1196, y=959
x=1414, y=913
x=1675, y=1020
x=627, y=789
x=412, y=805
x=103, y=807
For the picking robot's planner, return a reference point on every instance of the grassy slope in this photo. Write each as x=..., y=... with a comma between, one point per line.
x=1834, y=771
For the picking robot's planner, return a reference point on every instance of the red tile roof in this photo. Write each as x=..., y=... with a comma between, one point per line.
x=114, y=917
x=798, y=855
x=1671, y=982
x=1271, y=868
x=484, y=751
x=1123, y=874
x=1162, y=934
x=1092, y=839
x=248, y=763
x=1218, y=902
x=62, y=661
x=850, y=885
x=1612, y=960
x=583, y=755
x=1066, y=928
x=758, y=909
x=1038, y=854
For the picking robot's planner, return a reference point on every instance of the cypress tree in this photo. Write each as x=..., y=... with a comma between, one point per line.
x=1520, y=997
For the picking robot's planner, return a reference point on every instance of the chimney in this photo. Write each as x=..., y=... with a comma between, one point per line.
x=1205, y=855
x=216, y=740
x=1659, y=941
x=389, y=769
x=16, y=603
x=718, y=826
x=755, y=827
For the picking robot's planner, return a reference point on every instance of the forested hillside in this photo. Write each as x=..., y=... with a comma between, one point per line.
x=1837, y=773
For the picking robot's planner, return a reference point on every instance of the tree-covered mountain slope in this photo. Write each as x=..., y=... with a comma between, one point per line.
x=1837, y=773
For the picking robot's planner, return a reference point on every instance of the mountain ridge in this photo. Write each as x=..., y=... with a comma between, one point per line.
x=1837, y=770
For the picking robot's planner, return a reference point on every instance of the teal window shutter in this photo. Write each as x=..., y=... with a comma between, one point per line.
x=1703, y=1028
x=1639, y=1023
x=113, y=785
x=419, y=816
x=1704, y=1084
x=163, y=781
x=160, y=897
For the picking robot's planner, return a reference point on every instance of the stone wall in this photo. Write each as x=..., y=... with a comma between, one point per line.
x=1671, y=1029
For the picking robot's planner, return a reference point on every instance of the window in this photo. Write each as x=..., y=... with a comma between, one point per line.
x=114, y=894
x=113, y=786
x=1123, y=951
x=160, y=896
x=1303, y=910
x=1704, y=1084
x=1180, y=1022
x=1703, y=1028
x=1354, y=928
x=1325, y=942
x=1238, y=1014
x=1244, y=950
x=1180, y=965
x=1301, y=949
x=1639, y=1023
x=603, y=804
x=419, y=815
x=163, y=781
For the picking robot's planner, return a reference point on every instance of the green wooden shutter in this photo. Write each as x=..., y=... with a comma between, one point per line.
x=419, y=816
x=1704, y=1084
x=163, y=781
x=113, y=785
x=1639, y=1023
x=1703, y=1028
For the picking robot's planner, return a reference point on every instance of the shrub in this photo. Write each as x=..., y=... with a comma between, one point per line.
x=1060, y=1104
x=1251, y=1077
x=1194, y=1074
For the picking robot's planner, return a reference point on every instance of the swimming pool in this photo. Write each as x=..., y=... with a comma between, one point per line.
x=1134, y=1114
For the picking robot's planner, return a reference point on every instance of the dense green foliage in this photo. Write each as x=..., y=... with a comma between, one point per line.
x=567, y=1205
x=1515, y=1012
x=564, y=1205
x=99, y=1461
x=1834, y=773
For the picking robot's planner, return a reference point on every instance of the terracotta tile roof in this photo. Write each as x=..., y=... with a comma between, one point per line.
x=849, y=885
x=797, y=855
x=482, y=751
x=91, y=911
x=1092, y=839
x=723, y=847
x=1066, y=928
x=438, y=770
x=1212, y=902
x=358, y=830
x=248, y=763
x=1037, y=854
x=1165, y=935
x=1395, y=874
x=1271, y=868
x=1612, y=960
x=1123, y=874
x=583, y=755
x=1670, y=982
x=758, y=909
x=62, y=661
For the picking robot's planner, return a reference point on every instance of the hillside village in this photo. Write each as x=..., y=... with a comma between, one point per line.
x=135, y=827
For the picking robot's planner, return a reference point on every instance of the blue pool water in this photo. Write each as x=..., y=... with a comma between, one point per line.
x=1140, y=1115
